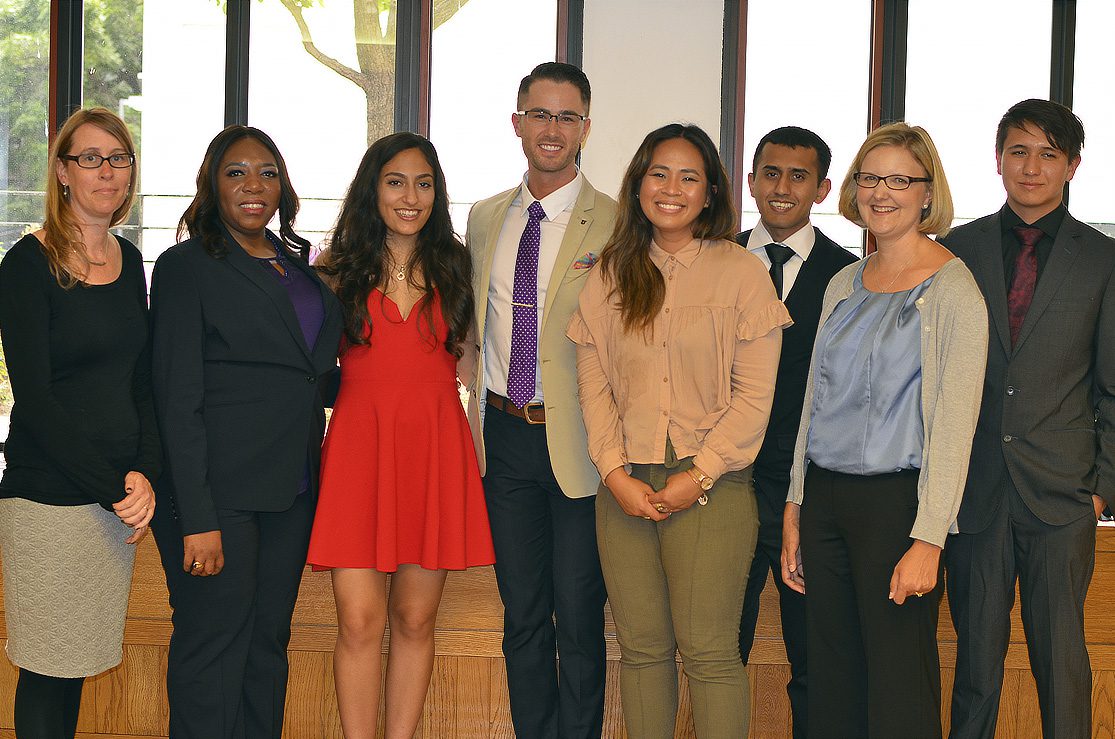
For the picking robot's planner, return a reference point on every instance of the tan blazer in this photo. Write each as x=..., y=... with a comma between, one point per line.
x=590, y=225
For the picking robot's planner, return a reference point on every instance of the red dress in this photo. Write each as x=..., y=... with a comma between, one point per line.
x=399, y=480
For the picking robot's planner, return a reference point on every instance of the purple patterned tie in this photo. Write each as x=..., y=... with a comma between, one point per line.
x=524, y=311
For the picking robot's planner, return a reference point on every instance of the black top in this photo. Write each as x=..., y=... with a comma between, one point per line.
x=1049, y=224
x=79, y=365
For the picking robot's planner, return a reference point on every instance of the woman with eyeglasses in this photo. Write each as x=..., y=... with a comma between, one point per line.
x=678, y=331
x=83, y=446
x=882, y=455
x=400, y=488
x=245, y=341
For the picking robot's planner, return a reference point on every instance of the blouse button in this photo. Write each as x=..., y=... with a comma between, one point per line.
x=665, y=379
x=667, y=310
x=920, y=301
x=927, y=329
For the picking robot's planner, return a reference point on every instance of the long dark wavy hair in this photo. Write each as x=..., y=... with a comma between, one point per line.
x=625, y=260
x=357, y=258
x=202, y=220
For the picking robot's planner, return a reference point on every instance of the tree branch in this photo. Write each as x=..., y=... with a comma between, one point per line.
x=347, y=72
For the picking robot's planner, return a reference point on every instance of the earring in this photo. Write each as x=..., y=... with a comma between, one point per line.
x=66, y=191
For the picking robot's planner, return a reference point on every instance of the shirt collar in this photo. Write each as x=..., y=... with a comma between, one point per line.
x=1049, y=224
x=559, y=200
x=685, y=256
x=801, y=241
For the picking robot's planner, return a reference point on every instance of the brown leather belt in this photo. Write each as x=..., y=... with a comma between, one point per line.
x=531, y=413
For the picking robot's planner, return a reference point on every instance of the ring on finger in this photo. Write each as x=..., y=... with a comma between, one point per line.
x=661, y=507
x=196, y=565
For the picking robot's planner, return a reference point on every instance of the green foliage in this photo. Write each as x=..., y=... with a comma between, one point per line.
x=113, y=53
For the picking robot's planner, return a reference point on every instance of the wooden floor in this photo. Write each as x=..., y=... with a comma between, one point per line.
x=468, y=693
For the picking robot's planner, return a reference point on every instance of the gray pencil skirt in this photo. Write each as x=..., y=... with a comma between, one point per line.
x=67, y=573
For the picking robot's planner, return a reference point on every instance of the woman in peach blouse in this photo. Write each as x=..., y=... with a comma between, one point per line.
x=678, y=334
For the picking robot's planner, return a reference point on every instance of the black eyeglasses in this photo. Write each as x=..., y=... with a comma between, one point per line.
x=94, y=161
x=541, y=116
x=894, y=181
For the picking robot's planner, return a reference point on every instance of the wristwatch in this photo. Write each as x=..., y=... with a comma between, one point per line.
x=704, y=482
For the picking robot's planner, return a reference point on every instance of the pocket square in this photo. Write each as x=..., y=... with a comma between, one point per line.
x=586, y=260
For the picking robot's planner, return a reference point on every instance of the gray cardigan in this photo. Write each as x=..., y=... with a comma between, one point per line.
x=953, y=360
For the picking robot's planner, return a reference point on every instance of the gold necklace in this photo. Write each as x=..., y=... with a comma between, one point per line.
x=898, y=274
x=399, y=272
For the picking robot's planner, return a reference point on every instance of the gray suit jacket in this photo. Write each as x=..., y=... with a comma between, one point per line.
x=590, y=225
x=1047, y=423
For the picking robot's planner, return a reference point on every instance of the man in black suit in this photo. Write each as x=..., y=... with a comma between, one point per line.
x=789, y=174
x=1043, y=458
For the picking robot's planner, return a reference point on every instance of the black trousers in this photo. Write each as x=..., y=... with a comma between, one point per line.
x=548, y=573
x=1053, y=566
x=874, y=671
x=227, y=670
x=791, y=603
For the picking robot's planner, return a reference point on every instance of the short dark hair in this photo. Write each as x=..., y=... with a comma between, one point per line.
x=796, y=137
x=556, y=72
x=1059, y=124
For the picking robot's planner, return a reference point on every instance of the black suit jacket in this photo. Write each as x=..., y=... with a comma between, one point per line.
x=1047, y=423
x=238, y=394
x=772, y=466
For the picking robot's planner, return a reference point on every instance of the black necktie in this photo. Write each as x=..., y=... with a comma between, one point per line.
x=778, y=254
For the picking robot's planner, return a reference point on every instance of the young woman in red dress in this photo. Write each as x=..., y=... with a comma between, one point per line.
x=400, y=487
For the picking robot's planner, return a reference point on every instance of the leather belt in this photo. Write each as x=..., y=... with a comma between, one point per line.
x=531, y=413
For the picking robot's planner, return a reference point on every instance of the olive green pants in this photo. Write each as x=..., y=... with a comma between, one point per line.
x=678, y=585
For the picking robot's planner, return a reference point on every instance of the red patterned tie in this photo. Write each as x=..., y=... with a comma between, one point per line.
x=1021, y=292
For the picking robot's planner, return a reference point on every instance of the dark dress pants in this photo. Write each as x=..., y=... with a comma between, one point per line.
x=874, y=671
x=548, y=572
x=227, y=670
x=1053, y=566
x=791, y=604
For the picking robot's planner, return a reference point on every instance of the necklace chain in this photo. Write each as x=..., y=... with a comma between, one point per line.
x=886, y=288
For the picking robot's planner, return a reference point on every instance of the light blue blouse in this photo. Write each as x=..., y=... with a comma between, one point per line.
x=866, y=413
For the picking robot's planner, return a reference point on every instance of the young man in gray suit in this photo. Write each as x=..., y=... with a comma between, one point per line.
x=532, y=247
x=1043, y=458
x=789, y=174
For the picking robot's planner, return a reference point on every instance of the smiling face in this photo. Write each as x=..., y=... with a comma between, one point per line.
x=785, y=187
x=95, y=194
x=674, y=190
x=1034, y=172
x=892, y=214
x=551, y=149
x=405, y=193
x=248, y=189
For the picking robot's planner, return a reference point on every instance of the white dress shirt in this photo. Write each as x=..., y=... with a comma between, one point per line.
x=801, y=242
x=497, y=328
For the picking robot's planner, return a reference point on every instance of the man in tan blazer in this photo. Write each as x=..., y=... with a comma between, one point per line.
x=532, y=247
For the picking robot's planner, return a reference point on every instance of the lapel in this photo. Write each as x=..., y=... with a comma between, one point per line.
x=580, y=221
x=496, y=217
x=1061, y=259
x=241, y=261
x=988, y=249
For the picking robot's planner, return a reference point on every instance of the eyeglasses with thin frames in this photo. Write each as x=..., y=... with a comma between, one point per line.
x=894, y=181
x=89, y=160
x=541, y=117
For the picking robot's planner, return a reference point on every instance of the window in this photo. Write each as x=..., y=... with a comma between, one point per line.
x=322, y=85
x=479, y=54
x=813, y=75
x=962, y=77
x=1090, y=192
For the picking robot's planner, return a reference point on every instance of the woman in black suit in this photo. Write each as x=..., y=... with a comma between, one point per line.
x=245, y=337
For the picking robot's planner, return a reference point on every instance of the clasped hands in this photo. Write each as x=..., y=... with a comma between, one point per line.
x=636, y=498
x=915, y=574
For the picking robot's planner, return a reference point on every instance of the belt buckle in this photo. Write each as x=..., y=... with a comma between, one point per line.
x=527, y=417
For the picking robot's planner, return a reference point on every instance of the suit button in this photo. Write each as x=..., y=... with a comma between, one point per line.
x=311, y=379
x=1010, y=389
x=1008, y=438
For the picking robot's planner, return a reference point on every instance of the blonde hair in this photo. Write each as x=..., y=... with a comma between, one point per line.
x=62, y=233
x=937, y=218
